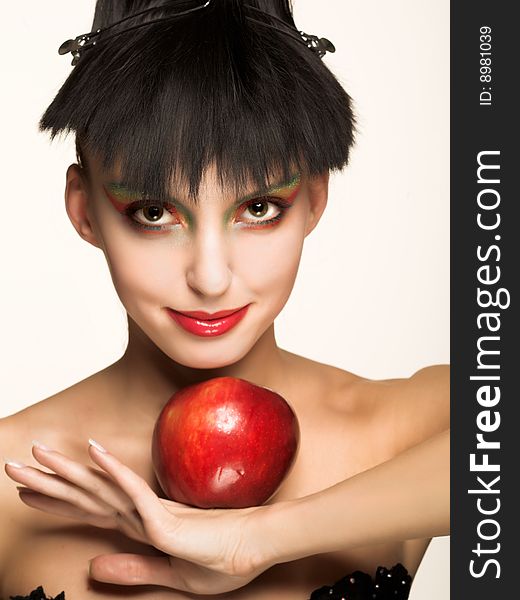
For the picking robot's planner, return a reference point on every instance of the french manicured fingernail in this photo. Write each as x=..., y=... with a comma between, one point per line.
x=25, y=490
x=41, y=446
x=97, y=445
x=13, y=463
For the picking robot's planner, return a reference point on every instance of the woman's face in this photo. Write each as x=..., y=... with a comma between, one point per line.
x=222, y=254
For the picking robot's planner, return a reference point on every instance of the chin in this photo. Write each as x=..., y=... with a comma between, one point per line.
x=201, y=363
x=207, y=355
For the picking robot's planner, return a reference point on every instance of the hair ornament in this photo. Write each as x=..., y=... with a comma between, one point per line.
x=76, y=46
x=318, y=45
x=84, y=41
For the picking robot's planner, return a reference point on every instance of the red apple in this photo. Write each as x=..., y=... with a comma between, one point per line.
x=224, y=443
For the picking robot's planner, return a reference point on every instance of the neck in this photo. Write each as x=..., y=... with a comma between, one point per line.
x=149, y=377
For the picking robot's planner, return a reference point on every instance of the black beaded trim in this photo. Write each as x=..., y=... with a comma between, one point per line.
x=388, y=584
x=38, y=594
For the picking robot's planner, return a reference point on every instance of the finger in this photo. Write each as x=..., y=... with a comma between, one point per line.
x=55, y=487
x=133, y=569
x=95, y=482
x=174, y=573
x=144, y=498
x=58, y=507
x=61, y=508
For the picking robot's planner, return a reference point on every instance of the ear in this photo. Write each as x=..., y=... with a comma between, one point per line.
x=318, y=193
x=77, y=204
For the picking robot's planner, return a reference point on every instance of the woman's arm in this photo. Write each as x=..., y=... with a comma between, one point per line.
x=403, y=498
x=218, y=550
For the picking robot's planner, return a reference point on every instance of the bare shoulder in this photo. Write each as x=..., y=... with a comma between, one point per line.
x=57, y=421
x=431, y=386
x=330, y=384
x=394, y=414
x=12, y=514
x=425, y=396
x=60, y=417
x=417, y=407
x=41, y=421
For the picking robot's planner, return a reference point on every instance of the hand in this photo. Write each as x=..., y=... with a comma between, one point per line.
x=209, y=551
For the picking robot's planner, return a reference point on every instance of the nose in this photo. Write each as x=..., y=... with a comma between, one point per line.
x=208, y=273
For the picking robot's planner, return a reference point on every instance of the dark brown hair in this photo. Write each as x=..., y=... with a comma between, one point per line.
x=167, y=99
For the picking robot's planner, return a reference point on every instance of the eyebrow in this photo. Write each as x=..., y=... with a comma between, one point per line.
x=125, y=195
x=281, y=185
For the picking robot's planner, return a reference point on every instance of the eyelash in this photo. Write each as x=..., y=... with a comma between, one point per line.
x=133, y=208
x=281, y=204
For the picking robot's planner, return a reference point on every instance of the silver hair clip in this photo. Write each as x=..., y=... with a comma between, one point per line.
x=320, y=46
x=76, y=45
x=83, y=42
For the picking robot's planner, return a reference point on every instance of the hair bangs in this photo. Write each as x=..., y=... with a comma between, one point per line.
x=164, y=102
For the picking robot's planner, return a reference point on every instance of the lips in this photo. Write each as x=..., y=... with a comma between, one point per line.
x=205, y=324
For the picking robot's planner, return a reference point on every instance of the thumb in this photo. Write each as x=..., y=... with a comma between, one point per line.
x=132, y=569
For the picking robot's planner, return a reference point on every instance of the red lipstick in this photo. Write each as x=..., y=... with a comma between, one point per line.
x=206, y=324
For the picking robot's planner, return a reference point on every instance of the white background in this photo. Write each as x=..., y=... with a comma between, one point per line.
x=376, y=269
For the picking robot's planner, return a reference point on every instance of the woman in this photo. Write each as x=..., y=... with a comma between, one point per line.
x=239, y=180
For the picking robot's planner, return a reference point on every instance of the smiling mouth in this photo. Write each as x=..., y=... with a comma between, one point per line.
x=205, y=324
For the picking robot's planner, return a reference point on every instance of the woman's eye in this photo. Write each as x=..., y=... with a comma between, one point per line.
x=260, y=210
x=153, y=215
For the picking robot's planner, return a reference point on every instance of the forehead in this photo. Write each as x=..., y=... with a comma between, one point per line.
x=211, y=186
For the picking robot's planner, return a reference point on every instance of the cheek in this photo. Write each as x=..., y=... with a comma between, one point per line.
x=269, y=263
x=142, y=270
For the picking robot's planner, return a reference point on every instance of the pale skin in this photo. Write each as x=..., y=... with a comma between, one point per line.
x=379, y=500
